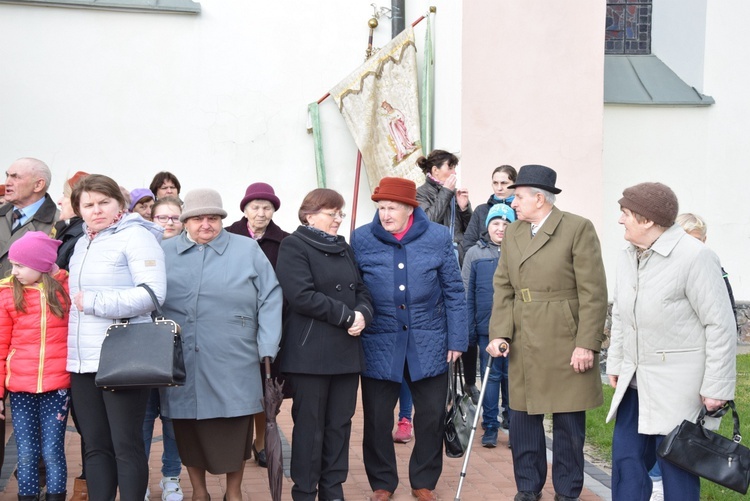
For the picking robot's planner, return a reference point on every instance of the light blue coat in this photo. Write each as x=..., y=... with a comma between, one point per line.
x=225, y=296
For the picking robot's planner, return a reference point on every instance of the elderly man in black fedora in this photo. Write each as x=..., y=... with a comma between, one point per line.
x=550, y=304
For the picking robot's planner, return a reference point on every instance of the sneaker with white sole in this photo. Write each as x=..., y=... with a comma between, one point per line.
x=403, y=432
x=170, y=489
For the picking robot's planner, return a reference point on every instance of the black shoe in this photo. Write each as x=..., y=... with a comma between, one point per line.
x=260, y=457
x=560, y=497
x=473, y=392
x=527, y=496
x=505, y=424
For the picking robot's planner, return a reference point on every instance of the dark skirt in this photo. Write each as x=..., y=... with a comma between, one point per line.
x=218, y=445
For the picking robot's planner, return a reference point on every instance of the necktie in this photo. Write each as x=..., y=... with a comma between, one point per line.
x=534, y=229
x=17, y=215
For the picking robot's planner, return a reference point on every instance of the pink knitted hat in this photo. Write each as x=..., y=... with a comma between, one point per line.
x=35, y=250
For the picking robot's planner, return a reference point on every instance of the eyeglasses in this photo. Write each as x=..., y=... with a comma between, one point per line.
x=334, y=215
x=172, y=219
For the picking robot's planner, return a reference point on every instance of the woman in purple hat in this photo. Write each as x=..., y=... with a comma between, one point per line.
x=141, y=202
x=259, y=205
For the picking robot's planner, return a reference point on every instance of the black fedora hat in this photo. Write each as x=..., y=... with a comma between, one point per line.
x=537, y=176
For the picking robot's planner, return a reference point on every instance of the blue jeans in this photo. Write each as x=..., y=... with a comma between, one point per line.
x=404, y=402
x=634, y=454
x=497, y=383
x=655, y=472
x=170, y=458
x=39, y=421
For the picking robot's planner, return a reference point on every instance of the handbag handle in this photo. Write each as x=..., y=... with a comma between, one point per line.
x=156, y=312
x=737, y=437
x=453, y=381
x=452, y=395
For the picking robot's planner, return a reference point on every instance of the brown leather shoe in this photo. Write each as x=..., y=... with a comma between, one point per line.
x=380, y=495
x=424, y=494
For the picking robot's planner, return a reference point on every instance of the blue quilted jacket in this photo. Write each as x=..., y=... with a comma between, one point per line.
x=418, y=297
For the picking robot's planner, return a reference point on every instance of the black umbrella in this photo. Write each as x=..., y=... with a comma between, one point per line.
x=271, y=404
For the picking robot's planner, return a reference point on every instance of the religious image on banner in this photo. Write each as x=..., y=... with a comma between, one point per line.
x=398, y=132
x=380, y=105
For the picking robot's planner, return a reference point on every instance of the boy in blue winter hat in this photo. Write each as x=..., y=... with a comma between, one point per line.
x=478, y=269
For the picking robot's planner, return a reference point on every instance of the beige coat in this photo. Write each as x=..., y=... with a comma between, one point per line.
x=561, y=275
x=673, y=330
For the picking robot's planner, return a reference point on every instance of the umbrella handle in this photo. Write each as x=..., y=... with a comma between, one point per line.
x=267, y=362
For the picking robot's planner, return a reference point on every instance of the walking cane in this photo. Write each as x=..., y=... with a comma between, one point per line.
x=503, y=348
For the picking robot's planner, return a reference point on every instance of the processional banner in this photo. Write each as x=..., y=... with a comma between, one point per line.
x=380, y=104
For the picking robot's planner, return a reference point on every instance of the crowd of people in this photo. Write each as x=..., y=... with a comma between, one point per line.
x=515, y=284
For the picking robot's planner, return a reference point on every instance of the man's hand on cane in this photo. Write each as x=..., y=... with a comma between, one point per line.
x=498, y=348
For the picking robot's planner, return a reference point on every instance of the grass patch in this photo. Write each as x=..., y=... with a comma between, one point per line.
x=599, y=433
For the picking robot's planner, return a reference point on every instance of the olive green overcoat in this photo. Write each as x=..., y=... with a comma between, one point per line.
x=551, y=297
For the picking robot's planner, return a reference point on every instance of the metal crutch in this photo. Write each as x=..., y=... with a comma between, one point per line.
x=503, y=348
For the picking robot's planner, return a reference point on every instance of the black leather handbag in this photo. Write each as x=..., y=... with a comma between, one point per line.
x=459, y=416
x=707, y=454
x=142, y=355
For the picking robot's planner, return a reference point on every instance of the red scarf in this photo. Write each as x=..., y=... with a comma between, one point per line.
x=401, y=234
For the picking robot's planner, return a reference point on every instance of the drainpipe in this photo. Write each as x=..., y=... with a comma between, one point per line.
x=397, y=17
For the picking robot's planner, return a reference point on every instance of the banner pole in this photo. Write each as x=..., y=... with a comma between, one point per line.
x=355, y=198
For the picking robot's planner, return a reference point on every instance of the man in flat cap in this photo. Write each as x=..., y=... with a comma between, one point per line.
x=550, y=305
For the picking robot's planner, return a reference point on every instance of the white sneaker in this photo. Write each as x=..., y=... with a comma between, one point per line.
x=170, y=489
x=148, y=493
x=657, y=491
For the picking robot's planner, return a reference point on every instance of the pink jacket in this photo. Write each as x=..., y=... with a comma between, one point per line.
x=34, y=344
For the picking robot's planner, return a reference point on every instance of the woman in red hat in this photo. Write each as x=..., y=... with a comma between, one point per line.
x=419, y=327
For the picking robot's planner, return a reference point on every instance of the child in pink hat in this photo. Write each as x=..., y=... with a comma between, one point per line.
x=34, y=306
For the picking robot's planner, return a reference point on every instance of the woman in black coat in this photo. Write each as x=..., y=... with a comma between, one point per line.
x=322, y=355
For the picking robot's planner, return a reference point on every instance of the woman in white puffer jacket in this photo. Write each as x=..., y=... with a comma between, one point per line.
x=117, y=252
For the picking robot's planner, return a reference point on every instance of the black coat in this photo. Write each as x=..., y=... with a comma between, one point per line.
x=69, y=233
x=321, y=282
x=269, y=242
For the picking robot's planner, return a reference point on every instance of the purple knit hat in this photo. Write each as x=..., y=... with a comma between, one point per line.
x=35, y=250
x=139, y=194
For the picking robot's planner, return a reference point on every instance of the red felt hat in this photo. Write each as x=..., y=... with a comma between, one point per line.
x=396, y=189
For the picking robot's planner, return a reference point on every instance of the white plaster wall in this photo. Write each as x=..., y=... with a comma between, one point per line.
x=678, y=37
x=220, y=99
x=701, y=153
x=532, y=93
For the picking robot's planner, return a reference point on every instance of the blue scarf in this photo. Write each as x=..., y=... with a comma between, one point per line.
x=506, y=201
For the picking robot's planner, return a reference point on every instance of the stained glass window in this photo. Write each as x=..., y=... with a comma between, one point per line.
x=628, y=28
